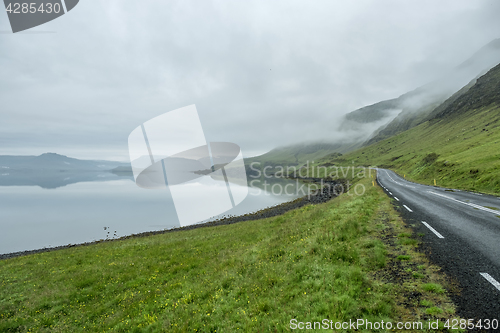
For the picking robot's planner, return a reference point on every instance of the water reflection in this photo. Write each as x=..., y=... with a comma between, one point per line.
x=47, y=209
x=54, y=179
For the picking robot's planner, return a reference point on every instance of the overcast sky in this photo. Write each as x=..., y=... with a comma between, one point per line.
x=261, y=73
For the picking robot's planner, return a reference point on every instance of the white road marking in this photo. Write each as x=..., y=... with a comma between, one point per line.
x=491, y=280
x=432, y=229
x=396, y=198
x=396, y=181
x=390, y=193
x=466, y=203
x=405, y=206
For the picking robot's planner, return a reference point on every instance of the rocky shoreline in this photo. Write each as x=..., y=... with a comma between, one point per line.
x=329, y=190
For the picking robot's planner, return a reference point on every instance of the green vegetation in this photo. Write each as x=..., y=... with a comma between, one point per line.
x=425, y=102
x=433, y=287
x=461, y=152
x=295, y=155
x=459, y=147
x=451, y=143
x=335, y=260
x=433, y=310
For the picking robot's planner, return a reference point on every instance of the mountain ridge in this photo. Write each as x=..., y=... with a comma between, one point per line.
x=54, y=161
x=393, y=116
x=458, y=146
x=418, y=104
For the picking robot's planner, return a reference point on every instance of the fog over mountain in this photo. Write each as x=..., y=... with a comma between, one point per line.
x=386, y=118
x=262, y=74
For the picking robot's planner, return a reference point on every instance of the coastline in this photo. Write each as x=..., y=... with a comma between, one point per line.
x=322, y=196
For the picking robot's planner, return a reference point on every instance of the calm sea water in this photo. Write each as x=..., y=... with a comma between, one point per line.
x=32, y=217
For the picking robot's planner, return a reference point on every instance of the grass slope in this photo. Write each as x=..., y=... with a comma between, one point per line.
x=459, y=147
x=323, y=261
x=294, y=155
x=419, y=104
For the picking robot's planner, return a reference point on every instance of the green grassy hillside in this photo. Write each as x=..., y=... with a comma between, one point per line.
x=399, y=114
x=295, y=155
x=459, y=147
x=418, y=105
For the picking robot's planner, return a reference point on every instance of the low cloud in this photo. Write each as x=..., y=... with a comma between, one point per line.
x=262, y=74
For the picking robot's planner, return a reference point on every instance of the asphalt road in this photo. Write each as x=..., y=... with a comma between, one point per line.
x=461, y=235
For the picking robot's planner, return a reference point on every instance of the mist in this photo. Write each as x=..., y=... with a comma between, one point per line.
x=261, y=74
